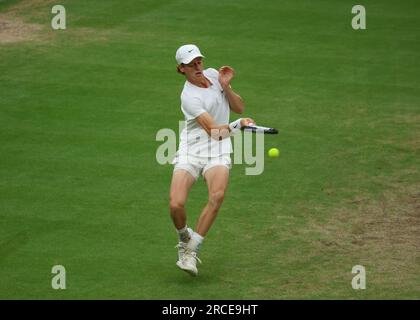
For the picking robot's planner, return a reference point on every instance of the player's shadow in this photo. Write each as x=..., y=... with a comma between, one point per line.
x=206, y=276
x=182, y=277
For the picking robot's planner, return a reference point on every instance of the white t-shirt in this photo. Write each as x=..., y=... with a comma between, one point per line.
x=196, y=100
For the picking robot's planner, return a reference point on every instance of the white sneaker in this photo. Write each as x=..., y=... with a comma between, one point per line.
x=181, y=246
x=188, y=262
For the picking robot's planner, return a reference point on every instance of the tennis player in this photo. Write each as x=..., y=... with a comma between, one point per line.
x=204, y=148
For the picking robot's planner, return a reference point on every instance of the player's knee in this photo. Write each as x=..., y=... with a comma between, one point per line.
x=217, y=197
x=175, y=206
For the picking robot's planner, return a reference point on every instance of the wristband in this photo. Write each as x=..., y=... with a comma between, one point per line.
x=235, y=126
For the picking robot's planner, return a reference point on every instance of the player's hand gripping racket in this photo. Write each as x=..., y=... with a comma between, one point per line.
x=260, y=129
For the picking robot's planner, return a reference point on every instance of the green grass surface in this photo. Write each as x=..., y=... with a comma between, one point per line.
x=80, y=186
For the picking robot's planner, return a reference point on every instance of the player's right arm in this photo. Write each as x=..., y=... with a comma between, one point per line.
x=219, y=132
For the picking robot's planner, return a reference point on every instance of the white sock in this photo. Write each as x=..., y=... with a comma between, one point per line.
x=195, y=242
x=183, y=234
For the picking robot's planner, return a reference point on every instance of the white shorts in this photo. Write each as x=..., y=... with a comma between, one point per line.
x=199, y=165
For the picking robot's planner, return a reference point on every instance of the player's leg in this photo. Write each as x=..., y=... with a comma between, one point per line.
x=181, y=184
x=182, y=181
x=217, y=179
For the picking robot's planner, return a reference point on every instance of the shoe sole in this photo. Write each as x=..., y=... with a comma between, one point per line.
x=189, y=271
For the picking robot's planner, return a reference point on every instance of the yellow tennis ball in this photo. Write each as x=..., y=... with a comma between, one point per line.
x=273, y=152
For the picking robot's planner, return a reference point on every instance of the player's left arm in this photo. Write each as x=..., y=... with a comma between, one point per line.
x=236, y=103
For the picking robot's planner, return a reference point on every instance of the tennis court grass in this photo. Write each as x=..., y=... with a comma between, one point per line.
x=80, y=185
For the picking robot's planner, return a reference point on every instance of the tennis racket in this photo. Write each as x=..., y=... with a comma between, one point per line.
x=260, y=129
